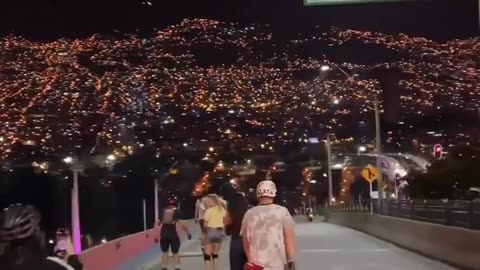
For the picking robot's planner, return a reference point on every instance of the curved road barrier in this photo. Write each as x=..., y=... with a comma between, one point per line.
x=115, y=253
x=456, y=246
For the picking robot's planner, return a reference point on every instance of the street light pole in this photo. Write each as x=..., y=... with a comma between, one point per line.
x=377, y=135
x=77, y=240
x=155, y=191
x=329, y=168
x=144, y=204
x=156, y=199
x=379, y=152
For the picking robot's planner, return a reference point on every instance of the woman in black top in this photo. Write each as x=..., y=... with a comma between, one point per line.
x=236, y=209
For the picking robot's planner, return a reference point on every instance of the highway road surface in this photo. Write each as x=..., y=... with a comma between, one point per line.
x=323, y=246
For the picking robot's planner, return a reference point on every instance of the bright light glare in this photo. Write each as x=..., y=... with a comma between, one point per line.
x=232, y=181
x=50, y=241
x=313, y=181
x=324, y=68
x=337, y=166
x=362, y=149
x=104, y=240
x=336, y=101
x=68, y=160
x=111, y=157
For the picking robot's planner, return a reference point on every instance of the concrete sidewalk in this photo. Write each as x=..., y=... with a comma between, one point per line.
x=327, y=247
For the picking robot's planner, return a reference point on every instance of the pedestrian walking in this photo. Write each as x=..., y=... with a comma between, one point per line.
x=169, y=238
x=237, y=206
x=200, y=213
x=268, y=232
x=214, y=230
x=200, y=207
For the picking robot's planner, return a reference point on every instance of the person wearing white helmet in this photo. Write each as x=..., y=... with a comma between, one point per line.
x=268, y=232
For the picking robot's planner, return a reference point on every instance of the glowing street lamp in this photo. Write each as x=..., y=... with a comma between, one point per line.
x=324, y=68
x=68, y=160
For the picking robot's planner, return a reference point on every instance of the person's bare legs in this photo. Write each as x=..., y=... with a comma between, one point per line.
x=165, y=260
x=176, y=260
x=208, y=256
x=215, y=250
x=202, y=237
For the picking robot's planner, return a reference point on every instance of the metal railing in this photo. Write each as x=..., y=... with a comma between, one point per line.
x=465, y=214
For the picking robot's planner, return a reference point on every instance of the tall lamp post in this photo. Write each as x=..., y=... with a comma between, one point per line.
x=77, y=240
x=329, y=168
x=326, y=68
x=155, y=190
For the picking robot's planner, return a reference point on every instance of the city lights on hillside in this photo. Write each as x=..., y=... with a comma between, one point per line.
x=132, y=97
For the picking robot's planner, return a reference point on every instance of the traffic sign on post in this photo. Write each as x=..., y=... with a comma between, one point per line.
x=370, y=173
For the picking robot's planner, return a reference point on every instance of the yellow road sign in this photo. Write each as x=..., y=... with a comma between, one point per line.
x=370, y=173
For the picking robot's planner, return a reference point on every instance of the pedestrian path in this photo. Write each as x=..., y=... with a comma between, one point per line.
x=192, y=256
x=328, y=247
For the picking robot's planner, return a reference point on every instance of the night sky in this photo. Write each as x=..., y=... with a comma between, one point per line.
x=47, y=19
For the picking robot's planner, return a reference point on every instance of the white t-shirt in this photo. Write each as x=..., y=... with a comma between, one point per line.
x=264, y=226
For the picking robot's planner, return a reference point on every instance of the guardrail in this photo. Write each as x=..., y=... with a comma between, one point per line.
x=113, y=254
x=453, y=245
x=465, y=214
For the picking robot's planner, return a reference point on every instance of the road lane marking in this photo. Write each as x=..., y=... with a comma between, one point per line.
x=366, y=250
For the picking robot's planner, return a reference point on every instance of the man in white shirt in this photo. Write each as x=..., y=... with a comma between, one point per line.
x=268, y=232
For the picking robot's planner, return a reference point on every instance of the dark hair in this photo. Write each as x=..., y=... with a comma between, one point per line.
x=21, y=239
x=237, y=206
x=20, y=253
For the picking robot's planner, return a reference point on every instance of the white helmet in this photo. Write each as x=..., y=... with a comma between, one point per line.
x=266, y=188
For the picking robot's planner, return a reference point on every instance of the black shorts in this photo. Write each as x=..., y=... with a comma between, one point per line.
x=167, y=243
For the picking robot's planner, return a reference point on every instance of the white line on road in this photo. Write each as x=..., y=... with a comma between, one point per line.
x=366, y=250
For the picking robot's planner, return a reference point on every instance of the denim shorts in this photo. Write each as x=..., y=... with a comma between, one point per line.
x=214, y=235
